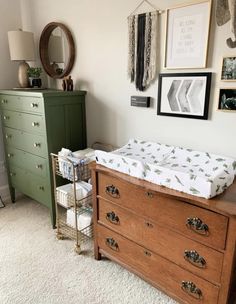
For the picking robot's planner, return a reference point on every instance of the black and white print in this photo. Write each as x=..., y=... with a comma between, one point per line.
x=228, y=72
x=227, y=100
x=184, y=95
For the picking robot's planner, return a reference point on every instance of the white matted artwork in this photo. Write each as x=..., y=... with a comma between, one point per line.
x=187, y=31
x=184, y=95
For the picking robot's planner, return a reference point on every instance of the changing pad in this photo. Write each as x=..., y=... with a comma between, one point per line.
x=198, y=173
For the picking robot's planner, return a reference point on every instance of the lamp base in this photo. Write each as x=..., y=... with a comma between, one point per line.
x=22, y=75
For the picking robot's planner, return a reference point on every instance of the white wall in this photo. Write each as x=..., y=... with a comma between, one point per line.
x=100, y=32
x=10, y=20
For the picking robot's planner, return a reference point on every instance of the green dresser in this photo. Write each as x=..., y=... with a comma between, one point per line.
x=36, y=123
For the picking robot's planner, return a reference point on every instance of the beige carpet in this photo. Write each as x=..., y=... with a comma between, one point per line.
x=36, y=268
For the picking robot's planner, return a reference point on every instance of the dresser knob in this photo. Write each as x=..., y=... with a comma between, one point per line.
x=191, y=289
x=112, y=191
x=39, y=166
x=41, y=188
x=6, y=117
x=34, y=105
x=113, y=218
x=197, y=225
x=8, y=136
x=4, y=101
x=12, y=174
x=111, y=243
x=194, y=258
x=35, y=124
x=9, y=155
x=36, y=145
x=149, y=194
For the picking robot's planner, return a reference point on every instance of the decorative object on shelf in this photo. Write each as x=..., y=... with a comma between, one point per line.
x=184, y=95
x=21, y=46
x=57, y=35
x=227, y=99
x=226, y=11
x=67, y=84
x=142, y=57
x=187, y=31
x=228, y=69
x=34, y=77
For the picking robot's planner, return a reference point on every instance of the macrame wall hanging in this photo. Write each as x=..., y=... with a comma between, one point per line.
x=142, y=57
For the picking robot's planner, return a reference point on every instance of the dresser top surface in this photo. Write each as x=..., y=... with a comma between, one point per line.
x=41, y=92
x=224, y=203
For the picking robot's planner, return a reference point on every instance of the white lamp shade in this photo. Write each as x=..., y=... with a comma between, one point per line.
x=55, y=51
x=21, y=45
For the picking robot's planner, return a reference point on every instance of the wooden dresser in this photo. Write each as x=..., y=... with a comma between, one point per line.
x=181, y=244
x=36, y=123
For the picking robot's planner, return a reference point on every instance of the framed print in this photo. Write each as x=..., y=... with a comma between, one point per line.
x=228, y=69
x=184, y=95
x=227, y=99
x=187, y=31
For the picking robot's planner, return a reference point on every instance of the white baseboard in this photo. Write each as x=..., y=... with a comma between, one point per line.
x=4, y=192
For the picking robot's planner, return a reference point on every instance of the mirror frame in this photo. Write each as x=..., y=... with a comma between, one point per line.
x=43, y=49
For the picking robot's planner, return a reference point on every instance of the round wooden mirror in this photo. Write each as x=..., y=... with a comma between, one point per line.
x=57, y=50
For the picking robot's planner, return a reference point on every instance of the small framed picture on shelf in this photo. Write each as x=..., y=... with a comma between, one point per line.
x=184, y=95
x=227, y=99
x=187, y=32
x=228, y=69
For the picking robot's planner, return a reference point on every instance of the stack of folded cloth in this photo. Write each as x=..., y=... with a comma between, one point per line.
x=84, y=221
x=77, y=160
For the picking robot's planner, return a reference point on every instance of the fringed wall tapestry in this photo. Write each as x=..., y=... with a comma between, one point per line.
x=226, y=11
x=142, y=57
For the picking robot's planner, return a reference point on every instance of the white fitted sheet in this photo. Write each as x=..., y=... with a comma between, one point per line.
x=198, y=173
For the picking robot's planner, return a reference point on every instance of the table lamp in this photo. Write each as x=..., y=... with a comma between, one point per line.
x=21, y=46
x=55, y=51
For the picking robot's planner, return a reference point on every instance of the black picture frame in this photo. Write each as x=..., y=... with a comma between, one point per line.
x=227, y=99
x=184, y=95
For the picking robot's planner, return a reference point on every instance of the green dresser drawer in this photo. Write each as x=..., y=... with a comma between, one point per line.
x=27, y=122
x=35, y=164
x=22, y=103
x=32, y=143
x=31, y=185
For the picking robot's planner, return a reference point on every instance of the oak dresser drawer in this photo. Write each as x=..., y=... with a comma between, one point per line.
x=22, y=103
x=156, y=269
x=27, y=122
x=187, y=253
x=200, y=224
x=35, y=144
x=35, y=164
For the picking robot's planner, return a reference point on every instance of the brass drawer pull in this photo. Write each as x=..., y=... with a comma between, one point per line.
x=149, y=225
x=111, y=243
x=39, y=166
x=8, y=136
x=113, y=218
x=191, y=289
x=4, y=101
x=6, y=117
x=35, y=124
x=34, y=105
x=194, y=258
x=197, y=225
x=9, y=155
x=41, y=188
x=147, y=253
x=37, y=145
x=112, y=191
x=149, y=194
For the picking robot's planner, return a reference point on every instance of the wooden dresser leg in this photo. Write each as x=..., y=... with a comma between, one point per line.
x=97, y=254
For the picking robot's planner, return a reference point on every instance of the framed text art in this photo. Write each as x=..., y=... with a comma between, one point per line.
x=187, y=31
x=184, y=95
